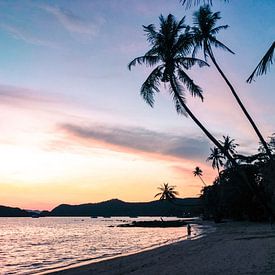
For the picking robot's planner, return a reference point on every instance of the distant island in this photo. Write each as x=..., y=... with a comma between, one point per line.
x=178, y=207
x=6, y=211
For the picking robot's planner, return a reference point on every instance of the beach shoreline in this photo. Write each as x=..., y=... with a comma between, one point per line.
x=199, y=229
x=234, y=248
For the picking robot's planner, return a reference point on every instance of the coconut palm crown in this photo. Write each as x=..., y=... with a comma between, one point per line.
x=198, y=172
x=170, y=47
x=205, y=31
x=217, y=158
x=229, y=144
x=167, y=192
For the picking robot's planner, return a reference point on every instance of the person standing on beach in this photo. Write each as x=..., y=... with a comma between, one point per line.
x=188, y=229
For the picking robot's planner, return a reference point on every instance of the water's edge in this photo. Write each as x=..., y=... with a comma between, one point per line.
x=206, y=229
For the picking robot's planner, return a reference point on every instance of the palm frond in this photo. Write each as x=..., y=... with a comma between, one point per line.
x=175, y=96
x=219, y=44
x=188, y=3
x=184, y=44
x=179, y=108
x=158, y=194
x=151, y=33
x=150, y=86
x=216, y=30
x=181, y=25
x=188, y=62
x=264, y=64
x=149, y=60
x=193, y=88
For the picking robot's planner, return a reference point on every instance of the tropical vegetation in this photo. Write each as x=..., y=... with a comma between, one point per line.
x=244, y=187
x=168, y=192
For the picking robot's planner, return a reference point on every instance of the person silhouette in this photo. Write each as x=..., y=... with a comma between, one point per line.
x=188, y=229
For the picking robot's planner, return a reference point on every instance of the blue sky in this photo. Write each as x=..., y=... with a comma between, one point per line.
x=68, y=98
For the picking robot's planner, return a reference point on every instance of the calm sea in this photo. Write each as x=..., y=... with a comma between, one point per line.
x=29, y=246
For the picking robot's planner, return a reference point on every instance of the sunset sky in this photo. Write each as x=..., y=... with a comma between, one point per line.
x=74, y=128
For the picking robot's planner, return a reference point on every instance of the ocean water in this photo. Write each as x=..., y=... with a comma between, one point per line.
x=29, y=246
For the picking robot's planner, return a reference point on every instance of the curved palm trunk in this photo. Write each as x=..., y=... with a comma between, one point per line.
x=202, y=180
x=206, y=132
x=225, y=152
x=211, y=55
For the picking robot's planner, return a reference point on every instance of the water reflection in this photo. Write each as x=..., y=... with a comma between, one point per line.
x=28, y=245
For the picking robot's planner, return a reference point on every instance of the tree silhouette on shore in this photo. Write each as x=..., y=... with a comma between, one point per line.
x=217, y=158
x=170, y=46
x=198, y=173
x=168, y=192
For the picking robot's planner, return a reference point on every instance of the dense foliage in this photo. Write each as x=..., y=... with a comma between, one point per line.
x=230, y=197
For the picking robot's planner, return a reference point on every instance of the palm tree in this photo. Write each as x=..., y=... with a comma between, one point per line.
x=230, y=146
x=168, y=54
x=205, y=31
x=167, y=192
x=188, y=3
x=217, y=158
x=198, y=172
x=264, y=64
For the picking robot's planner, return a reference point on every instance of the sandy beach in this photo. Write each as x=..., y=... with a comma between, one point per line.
x=234, y=248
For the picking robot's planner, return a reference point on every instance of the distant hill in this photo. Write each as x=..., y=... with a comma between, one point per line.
x=117, y=207
x=6, y=211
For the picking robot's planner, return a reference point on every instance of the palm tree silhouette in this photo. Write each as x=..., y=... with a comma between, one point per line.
x=230, y=146
x=264, y=64
x=198, y=172
x=217, y=158
x=205, y=31
x=167, y=192
x=169, y=48
x=188, y=3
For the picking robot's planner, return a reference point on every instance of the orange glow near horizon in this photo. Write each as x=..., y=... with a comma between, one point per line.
x=74, y=128
x=39, y=178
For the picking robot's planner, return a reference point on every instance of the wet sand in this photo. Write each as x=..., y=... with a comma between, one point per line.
x=234, y=248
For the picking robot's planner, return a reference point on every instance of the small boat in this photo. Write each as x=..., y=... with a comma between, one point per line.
x=35, y=216
x=94, y=217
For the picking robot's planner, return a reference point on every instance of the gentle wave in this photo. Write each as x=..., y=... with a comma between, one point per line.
x=29, y=246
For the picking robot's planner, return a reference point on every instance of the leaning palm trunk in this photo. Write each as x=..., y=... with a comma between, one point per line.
x=225, y=152
x=193, y=117
x=210, y=53
x=202, y=181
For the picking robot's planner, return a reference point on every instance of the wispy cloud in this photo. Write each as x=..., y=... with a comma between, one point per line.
x=21, y=34
x=72, y=22
x=26, y=97
x=10, y=93
x=139, y=139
